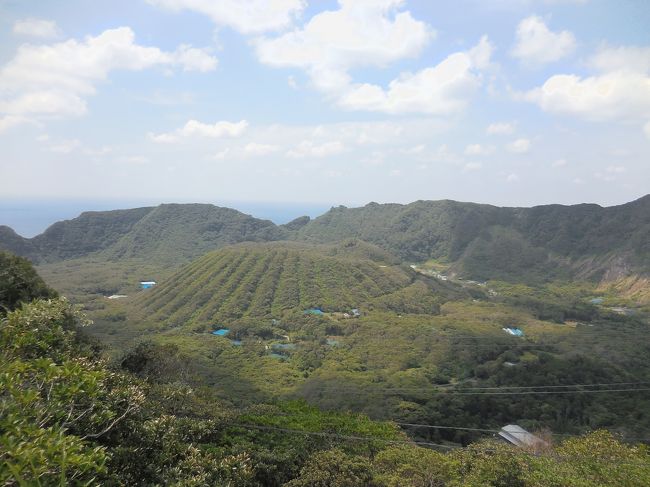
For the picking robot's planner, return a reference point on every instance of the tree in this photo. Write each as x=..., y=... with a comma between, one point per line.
x=19, y=283
x=333, y=468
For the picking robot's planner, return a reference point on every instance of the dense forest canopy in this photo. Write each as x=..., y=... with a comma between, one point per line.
x=70, y=417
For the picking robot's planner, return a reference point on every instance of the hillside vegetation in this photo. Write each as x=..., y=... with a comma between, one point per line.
x=71, y=419
x=415, y=333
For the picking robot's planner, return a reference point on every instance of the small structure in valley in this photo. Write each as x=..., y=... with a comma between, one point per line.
x=511, y=330
x=516, y=435
x=222, y=332
x=147, y=284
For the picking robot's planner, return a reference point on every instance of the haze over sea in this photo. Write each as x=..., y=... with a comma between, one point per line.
x=31, y=217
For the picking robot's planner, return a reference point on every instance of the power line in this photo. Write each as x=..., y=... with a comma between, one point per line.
x=555, y=386
x=471, y=392
x=345, y=437
x=461, y=428
x=465, y=428
x=487, y=430
x=474, y=447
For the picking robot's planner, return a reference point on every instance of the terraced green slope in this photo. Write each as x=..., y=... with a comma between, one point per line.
x=271, y=279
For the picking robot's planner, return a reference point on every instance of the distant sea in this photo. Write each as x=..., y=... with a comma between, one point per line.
x=29, y=218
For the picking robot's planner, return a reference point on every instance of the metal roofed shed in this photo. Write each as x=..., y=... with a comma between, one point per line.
x=147, y=284
x=521, y=438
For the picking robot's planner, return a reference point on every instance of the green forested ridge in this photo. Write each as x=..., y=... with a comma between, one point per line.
x=90, y=232
x=487, y=242
x=169, y=233
x=478, y=241
x=70, y=418
x=173, y=233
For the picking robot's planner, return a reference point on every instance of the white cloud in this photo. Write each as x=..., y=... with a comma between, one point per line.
x=134, y=159
x=53, y=80
x=375, y=159
x=65, y=146
x=481, y=53
x=440, y=90
x=308, y=149
x=376, y=33
x=627, y=58
x=10, y=121
x=519, y=146
x=418, y=149
x=616, y=169
x=619, y=91
x=537, y=45
x=501, y=128
x=218, y=129
x=246, y=16
x=444, y=154
x=556, y=2
x=194, y=59
x=194, y=128
x=221, y=155
x=646, y=129
x=44, y=103
x=517, y=5
x=619, y=95
x=255, y=149
x=472, y=166
x=611, y=173
x=559, y=163
x=101, y=151
x=291, y=81
x=168, y=98
x=166, y=138
x=478, y=150
x=359, y=33
x=512, y=178
x=43, y=29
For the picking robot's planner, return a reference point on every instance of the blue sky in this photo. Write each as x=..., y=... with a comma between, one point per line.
x=509, y=102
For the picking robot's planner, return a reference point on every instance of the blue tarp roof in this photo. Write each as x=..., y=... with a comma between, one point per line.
x=314, y=311
x=221, y=332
